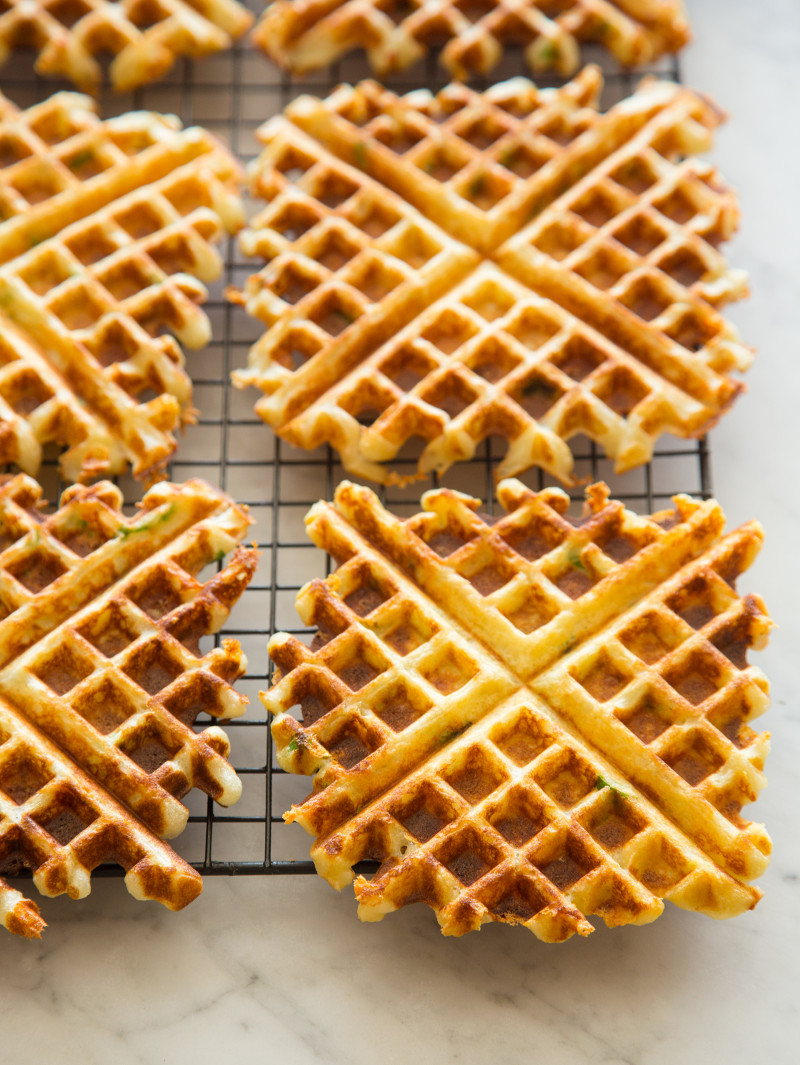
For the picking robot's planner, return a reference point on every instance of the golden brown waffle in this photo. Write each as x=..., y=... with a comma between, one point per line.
x=532, y=718
x=107, y=239
x=304, y=35
x=101, y=679
x=564, y=276
x=144, y=37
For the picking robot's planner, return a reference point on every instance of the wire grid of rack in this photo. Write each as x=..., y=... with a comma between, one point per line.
x=232, y=94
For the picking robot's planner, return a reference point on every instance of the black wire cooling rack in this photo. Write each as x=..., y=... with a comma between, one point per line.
x=232, y=94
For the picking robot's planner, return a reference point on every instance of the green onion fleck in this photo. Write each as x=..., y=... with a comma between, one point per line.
x=601, y=783
x=548, y=52
x=81, y=159
x=574, y=559
x=124, y=531
x=477, y=186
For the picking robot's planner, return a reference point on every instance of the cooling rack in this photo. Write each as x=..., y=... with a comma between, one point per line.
x=232, y=94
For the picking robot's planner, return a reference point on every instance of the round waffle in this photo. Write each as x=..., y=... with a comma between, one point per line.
x=533, y=718
x=144, y=37
x=102, y=677
x=305, y=35
x=108, y=235
x=510, y=263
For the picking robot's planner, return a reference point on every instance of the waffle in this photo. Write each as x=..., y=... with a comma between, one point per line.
x=101, y=678
x=304, y=35
x=530, y=718
x=145, y=37
x=106, y=241
x=564, y=277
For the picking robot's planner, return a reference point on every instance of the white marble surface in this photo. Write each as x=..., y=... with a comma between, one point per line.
x=281, y=970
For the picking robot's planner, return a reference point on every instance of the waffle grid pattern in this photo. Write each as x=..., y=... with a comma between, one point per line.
x=599, y=316
x=562, y=642
x=145, y=37
x=231, y=95
x=102, y=620
x=306, y=34
x=108, y=235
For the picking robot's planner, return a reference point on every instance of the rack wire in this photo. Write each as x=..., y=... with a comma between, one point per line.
x=232, y=94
